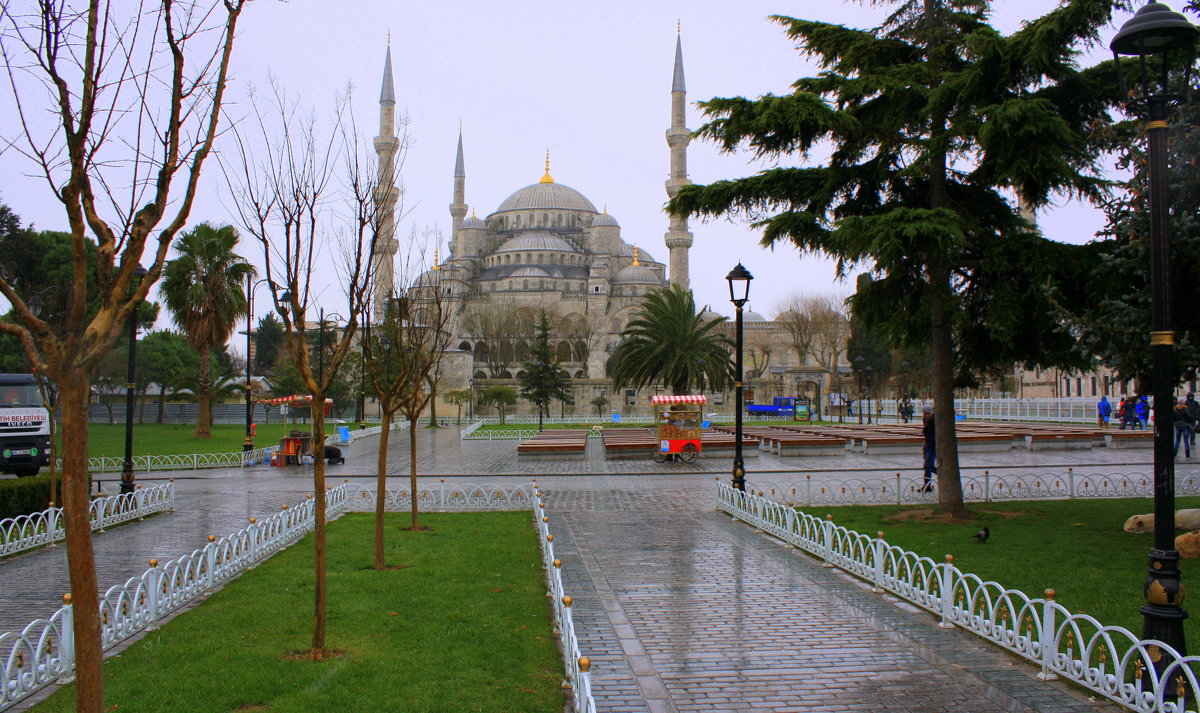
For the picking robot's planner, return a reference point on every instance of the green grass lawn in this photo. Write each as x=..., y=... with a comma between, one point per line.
x=462, y=626
x=178, y=438
x=1075, y=547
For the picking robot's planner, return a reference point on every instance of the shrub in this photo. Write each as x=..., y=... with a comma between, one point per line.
x=21, y=496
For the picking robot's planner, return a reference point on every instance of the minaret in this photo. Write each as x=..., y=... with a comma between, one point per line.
x=386, y=193
x=678, y=238
x=458, y=209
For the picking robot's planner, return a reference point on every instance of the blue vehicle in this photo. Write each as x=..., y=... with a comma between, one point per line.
x=794, y=408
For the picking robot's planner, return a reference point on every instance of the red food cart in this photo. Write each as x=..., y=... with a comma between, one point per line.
x=297, y=444
x=679, y=427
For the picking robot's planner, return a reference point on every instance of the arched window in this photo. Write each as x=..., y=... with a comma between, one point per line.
x=517, y=221
x=558, y=219
x=564, y=352
x=545, y=220
x=524, y=284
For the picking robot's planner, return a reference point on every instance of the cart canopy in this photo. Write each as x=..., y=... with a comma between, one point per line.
x=695, y=399
x=294, y=400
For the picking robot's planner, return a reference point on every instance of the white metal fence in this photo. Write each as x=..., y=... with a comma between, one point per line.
x=577, y=665
x=1141, y=675
x=984, y=487
x=26, y=532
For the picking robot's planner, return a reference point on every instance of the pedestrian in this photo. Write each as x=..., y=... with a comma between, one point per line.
x=1184, y=424
x=1194, y=411
x=1142, y=409
x=1103, y=411
x=930, y=451
x=1123, y=412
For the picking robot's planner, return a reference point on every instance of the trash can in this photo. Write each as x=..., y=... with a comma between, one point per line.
x=343, y=434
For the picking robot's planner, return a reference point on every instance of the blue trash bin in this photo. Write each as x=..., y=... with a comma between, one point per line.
x=343, y=434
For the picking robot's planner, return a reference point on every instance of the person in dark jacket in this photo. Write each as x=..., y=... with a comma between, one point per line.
x=1193, y=410
x=1184, y=424
x=333, y=455
x=930, y=449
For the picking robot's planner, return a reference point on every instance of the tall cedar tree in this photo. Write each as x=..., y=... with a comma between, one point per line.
x=931, y=120
x=544, y=380
x=1113, y=327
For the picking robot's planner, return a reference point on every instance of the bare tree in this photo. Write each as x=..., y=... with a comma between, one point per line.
x=501, y=325
x=402, y=353
x=759, y=347
x=583, y=331
x=299, y=189
x=831, y=331
x=796, y=316
x=114, y=106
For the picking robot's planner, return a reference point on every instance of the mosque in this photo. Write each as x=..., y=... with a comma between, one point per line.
x=544, y=248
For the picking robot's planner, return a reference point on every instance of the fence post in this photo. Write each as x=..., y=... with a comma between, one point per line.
x=987, y=487
x=827, y=550
x=53, y=515
x=210, y=563
x=442, y=493
x=808, y=501
x=67, y=636
x=1046, y=646
x=254, y=531
x=139, y=501
x=152, y=596
x=947, y=593
x=1071, y=482
x=898, y=486
x=878, y=573
x=171, y=494
x=195, y=462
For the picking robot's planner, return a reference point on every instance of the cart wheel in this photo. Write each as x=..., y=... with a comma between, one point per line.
x=690, y=453
x=660, y=457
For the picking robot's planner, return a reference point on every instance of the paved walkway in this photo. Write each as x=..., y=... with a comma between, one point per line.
x=680, y=608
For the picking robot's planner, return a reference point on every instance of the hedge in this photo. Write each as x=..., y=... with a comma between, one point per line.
x=21, y=496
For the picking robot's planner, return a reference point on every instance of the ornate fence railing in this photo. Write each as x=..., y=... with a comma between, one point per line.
x=26, y=532
x=1141, y=675
x=446, y=496
x=577, y=665
x=983, y=487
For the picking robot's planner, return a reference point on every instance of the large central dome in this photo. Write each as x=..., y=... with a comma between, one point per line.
x=553, y=196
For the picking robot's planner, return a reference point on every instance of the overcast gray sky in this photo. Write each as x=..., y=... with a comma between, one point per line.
x=589, y=81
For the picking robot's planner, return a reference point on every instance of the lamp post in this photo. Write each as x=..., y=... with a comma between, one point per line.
x=739, y=294
x=1158, y=33
x=130, y=390
x=248, y=444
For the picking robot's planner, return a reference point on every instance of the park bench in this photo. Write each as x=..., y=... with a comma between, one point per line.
x=1129, y=439
x=567, y=444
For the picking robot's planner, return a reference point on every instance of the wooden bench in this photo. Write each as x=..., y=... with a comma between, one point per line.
x=567, y=444
x=1129, y=439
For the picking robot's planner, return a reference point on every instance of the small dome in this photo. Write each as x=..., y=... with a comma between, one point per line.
x=708, y=315
x=552, y=196
x=637, y=275
x=643, y=256
x=537, y=241
x=474, y=223
x=529, y=271
x=752, y=316
x=605, y=219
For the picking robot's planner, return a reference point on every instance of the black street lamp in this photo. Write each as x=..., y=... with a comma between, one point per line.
x=130, y=390
x=248, y=444
x=1156, y=34
x=739, y=294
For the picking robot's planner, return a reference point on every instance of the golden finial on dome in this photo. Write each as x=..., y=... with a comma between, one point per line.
x=678, y=26
x=389, y=38
x=436, y=259
x=547, y=178
x=635, y=256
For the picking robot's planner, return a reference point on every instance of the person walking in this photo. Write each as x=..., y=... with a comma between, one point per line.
x=1141, y=408
x=1103, y=411
x=1184, y=424
x=1193, y=409
x=930, y=450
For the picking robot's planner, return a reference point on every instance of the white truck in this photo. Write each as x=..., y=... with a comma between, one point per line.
x=24, y=426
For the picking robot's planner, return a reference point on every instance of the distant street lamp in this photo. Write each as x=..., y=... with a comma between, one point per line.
x=1156, y=34
x=130, y=389
x=248, y=445
x=739, y=294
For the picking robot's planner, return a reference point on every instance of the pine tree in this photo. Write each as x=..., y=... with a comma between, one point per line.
x=932, y=121
x=544, y=380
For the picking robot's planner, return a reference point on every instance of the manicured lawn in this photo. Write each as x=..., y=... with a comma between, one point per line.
x=462, y=626
x=177, y=438
x=1075, y=547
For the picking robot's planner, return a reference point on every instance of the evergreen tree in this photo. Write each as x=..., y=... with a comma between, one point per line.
x=932, y=120
x=268, y=340
x=544, y=380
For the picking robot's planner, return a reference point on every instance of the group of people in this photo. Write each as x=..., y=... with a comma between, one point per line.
x=1134, y=412
x=1131, y=411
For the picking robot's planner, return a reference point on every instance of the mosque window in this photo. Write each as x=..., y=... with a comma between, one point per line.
x=545, y=220
x=517, y=221
x=558, y=219
x=524, y=284
x=597, y=288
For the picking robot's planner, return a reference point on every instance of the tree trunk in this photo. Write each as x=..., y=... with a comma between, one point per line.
x=142, y=407
x=162, y=403
x=381, y=486
x=433, y=422
x=412, y=471
x=319, y=598
x=81, y=563
x=203, y=390
x=950, y=497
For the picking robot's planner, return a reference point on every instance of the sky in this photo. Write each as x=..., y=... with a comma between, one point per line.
x=589, y=82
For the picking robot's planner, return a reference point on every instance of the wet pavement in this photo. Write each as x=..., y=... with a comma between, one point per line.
x=679, y=607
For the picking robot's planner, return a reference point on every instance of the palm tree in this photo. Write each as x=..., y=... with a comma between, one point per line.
x=203, y=290
x=667, y=342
